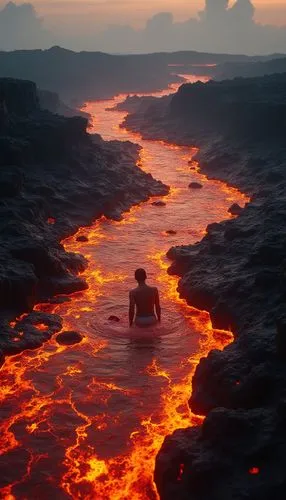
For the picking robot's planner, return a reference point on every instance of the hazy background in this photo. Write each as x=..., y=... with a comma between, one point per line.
x=133, y=26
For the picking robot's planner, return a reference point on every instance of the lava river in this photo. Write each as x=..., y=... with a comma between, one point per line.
x=87, y=421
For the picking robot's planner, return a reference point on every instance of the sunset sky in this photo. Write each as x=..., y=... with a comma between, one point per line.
x=135, y=12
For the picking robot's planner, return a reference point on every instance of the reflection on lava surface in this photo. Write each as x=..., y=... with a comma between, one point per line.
x=87, y=421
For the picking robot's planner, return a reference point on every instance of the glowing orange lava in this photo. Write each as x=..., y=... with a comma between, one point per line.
x=87, y=421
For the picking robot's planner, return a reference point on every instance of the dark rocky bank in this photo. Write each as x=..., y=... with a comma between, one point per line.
x=54, y=178
x=237, y=272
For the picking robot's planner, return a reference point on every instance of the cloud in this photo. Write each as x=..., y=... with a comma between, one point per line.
x=21, y=28
x=221, y=27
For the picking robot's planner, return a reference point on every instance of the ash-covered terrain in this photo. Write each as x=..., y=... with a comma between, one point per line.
x=54, y=178
x=237, y=272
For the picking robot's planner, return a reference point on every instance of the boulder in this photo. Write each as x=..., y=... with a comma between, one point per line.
x=69, y=338
x=159, y=203
x=82, y=239
x=64, y=285
x=235, y=209
x=195, y=185
x=171, y=232
x=115, y=319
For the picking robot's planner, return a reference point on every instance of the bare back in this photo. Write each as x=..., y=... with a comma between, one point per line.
x=145, y=298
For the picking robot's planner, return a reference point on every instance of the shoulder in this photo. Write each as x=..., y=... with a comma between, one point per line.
x=132, y=292
x=155, y=289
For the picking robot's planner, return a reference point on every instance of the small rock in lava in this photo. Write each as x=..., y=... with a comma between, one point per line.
x=159, y=203
x=82, y=239
x=114, y=318
x=195, y=185
x=171, y=232
x=69, y=338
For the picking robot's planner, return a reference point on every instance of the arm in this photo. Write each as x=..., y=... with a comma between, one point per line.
x=131, y=308
x=157, y=304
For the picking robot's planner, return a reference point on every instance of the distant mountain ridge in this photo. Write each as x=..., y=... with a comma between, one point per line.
x=82, y=76
x=251, y=69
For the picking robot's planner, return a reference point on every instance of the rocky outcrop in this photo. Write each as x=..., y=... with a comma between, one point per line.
x=241, y=258
x=243, y=111
x=50, y=101
x=69, y=338
x=237, y=273
x=54, y=177
x=236, y=454
x=29, y=332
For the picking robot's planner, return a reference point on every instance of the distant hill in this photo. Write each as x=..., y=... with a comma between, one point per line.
x=251, y=69
x=91, y=75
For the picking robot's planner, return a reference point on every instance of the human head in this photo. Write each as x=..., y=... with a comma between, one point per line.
x=140, y=275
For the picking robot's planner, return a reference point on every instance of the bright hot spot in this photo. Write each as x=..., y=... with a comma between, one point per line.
x=87, y=421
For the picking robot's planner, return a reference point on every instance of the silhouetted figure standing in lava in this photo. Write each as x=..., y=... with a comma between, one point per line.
x=145, y=299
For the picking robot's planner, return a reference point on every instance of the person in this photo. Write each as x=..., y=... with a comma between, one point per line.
x=145, y=299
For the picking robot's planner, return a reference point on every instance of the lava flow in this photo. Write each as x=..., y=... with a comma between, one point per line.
x=87, y=421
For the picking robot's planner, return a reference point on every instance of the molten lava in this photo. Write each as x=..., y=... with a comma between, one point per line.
x=87, y=421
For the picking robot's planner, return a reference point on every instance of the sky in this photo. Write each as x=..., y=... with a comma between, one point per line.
x=134, y=26
x=135, y=12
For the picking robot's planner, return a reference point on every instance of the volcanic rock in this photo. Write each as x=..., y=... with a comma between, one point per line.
x=237, y=273
x=69, y=338
x=29, y=332
x=195, y=185
x=235, y=209
x=51, y=171
x=159, y=203
x=281, y=338
x=59, y=299
x=194, y=463
x=171, y=232
x=51, y=322
x=115, y=319
x=82, y=239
